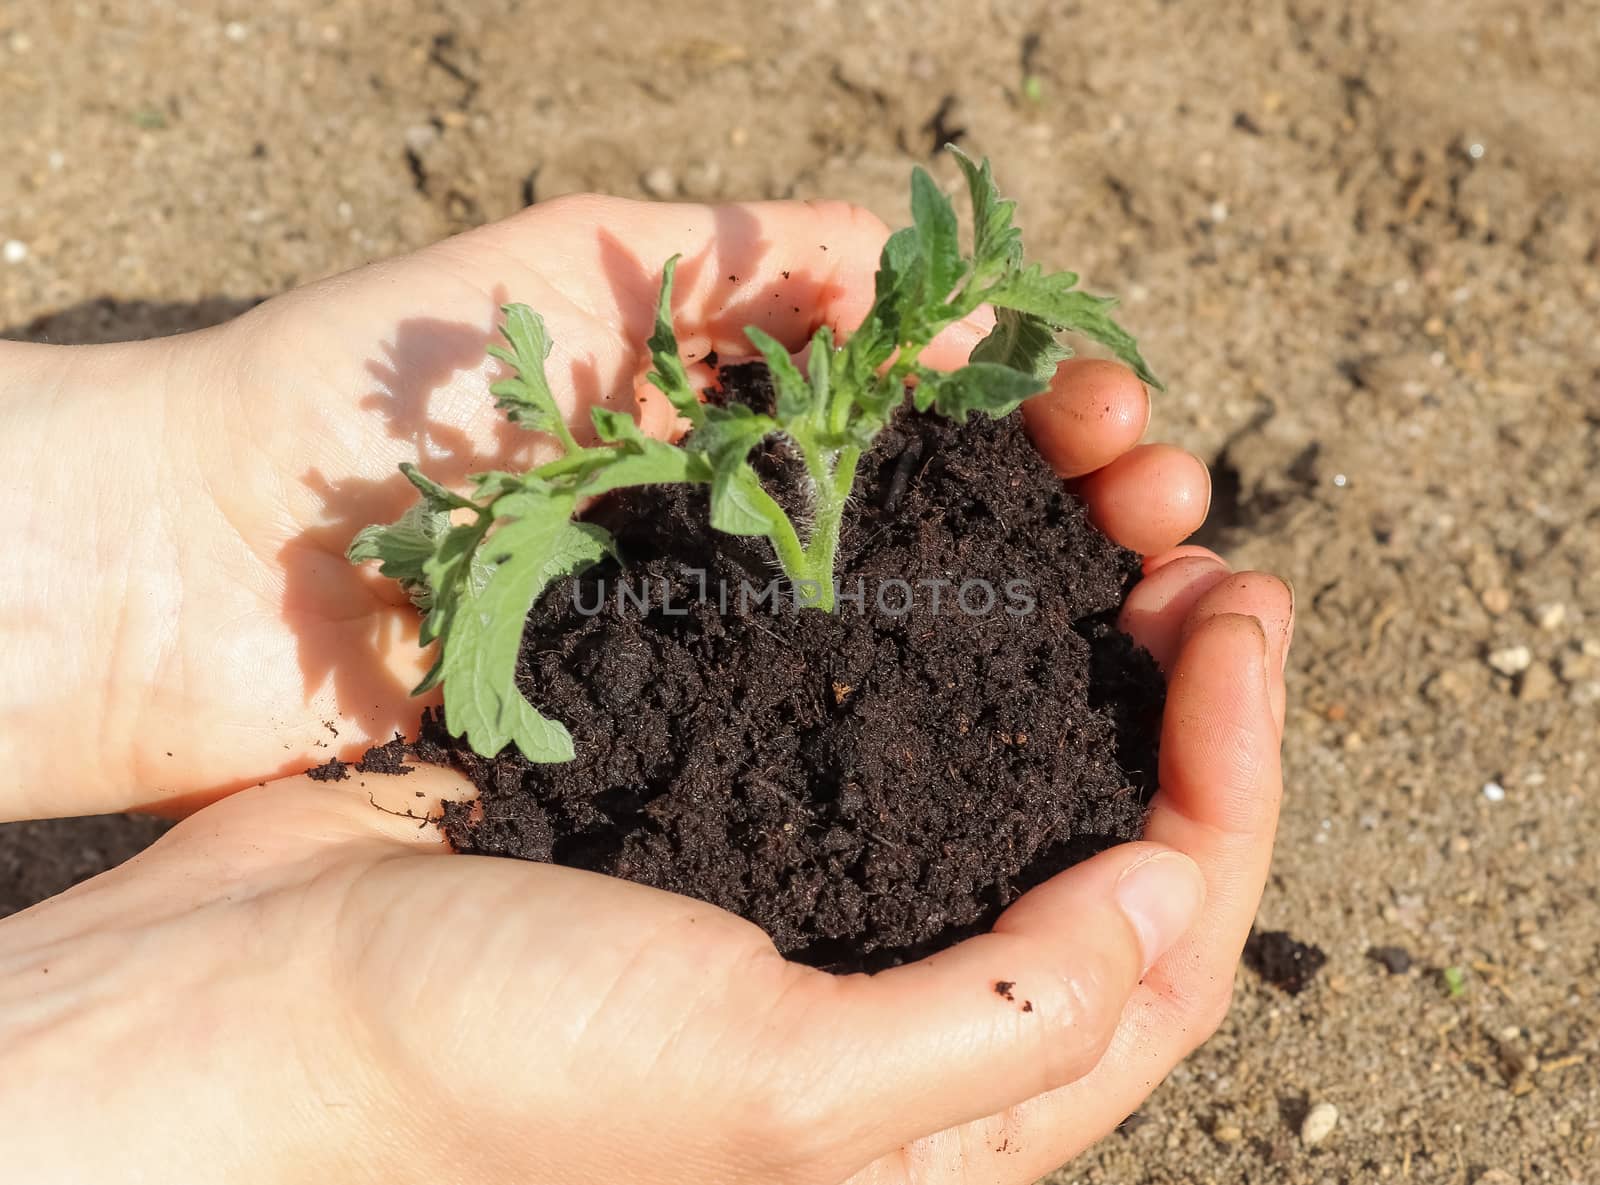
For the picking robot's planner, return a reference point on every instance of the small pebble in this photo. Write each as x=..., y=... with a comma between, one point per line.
x=1552, y=617
x=1396, y=960
x=236, y=31
x=1494, y=791
x=15, y=251
x=1319, y=1124
x=659, y=182
x=420, y=137
x=1228, y=1134
x=1511, y=660
x=1496, y=600
x=1573, y=668
x=1496, y=1177
x=1536, y=684
x=702, y=180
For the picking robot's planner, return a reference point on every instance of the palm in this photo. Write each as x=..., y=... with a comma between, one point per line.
x=287, y=653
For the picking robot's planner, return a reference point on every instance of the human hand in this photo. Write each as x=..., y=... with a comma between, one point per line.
x=329, y=956
x=294, y=984
x=184, y=621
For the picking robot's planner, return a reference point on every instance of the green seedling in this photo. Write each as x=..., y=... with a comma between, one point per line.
x=475, y=563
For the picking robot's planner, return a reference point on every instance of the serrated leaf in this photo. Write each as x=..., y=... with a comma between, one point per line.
x=938, y=237
x=670, y=376
x=535, y=544
x=996, y=242
x=740, y=506
x=1052, y=297
x=978, y=386
x=795, y=395
x=637, y=460
x=525, y=396
x=437, y=497
x=403, y=548
x=1023, y=342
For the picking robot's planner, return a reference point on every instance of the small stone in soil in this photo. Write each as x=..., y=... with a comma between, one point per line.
x=1536, y=685
x=1510, y=660
x=1283, y=961
x=1396, y=960
x=1319, y=1124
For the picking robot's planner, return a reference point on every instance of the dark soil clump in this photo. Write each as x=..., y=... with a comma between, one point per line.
x=1283, y=960
x=867, y=785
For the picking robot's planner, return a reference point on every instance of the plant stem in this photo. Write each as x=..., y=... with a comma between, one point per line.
x=833, y=492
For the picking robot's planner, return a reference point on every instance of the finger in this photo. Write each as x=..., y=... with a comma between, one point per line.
x=1006, y=1015
x=1093, y=413
x=1159, y=605
x=955, y=343
x=1264, y=597
x=1152, y=562
x=1219, y=776
x=1148, y=499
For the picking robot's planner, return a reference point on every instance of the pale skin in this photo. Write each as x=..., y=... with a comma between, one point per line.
x=294, y=985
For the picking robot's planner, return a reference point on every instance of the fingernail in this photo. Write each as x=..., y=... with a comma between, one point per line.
x=1289, y=625
x=1160, y=897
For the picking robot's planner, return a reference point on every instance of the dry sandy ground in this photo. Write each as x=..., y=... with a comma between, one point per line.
x=1363, y=242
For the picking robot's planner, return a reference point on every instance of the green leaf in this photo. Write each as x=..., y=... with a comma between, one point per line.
x=795, y=394
x=1052, y=298
x=535, y=544
x=979, y=386
x=637, y=459
x=1023, y=342
x=996, y=243
x=526, y=397
x=670, y=376
x=403, y=547
x=938, y=238
x=435, y=495
x=739, y=506
x=820, y=365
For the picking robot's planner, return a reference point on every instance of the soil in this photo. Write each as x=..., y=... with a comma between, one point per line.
x=1360, y=239
x=866, y=785
x=1283, y=960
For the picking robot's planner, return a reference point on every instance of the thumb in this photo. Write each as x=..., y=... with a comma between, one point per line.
x=1007, y=1015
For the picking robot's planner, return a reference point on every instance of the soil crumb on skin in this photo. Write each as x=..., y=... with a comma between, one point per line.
x=865, y=786
x=332, y=770
x=389, y=758
x=1282, y=960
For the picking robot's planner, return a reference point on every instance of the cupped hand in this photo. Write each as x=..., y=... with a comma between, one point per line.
x=184, y=622
x=308, y=979
x=301, y=982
